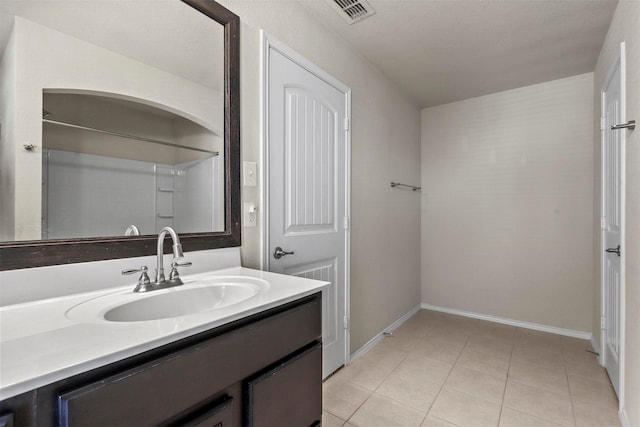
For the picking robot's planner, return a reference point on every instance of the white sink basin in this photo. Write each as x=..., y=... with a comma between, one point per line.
x=197, y=295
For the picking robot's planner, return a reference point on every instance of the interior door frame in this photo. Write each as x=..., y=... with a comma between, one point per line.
x=271, y=43
x=618, y=62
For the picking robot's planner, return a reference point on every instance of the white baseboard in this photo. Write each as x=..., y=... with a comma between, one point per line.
x=392, y=327
x=511, y=322
x=624, y=419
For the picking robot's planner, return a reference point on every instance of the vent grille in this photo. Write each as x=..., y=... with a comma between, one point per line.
x=352, y=11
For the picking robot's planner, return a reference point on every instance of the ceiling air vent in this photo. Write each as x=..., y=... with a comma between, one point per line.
x=352, y=11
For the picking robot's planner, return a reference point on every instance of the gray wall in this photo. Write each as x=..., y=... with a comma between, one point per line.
x=507, y=204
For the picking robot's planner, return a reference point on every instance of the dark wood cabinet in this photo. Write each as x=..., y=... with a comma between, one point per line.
x=264, y=370
x=6, y=420
x=294, y=381
x=18, y=410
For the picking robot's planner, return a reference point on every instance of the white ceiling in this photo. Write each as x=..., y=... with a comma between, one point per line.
x=437, y=51
x=440, y=51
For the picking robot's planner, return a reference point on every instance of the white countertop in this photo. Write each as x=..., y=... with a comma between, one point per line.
x=39, y=344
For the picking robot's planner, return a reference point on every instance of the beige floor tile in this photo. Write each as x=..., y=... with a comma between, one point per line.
x=574, y=345
x=330, y=420
x=458, y=321
x=379, y=411
x=538, y=346
x=594, y=373
x=541, y=341
x=523, y=333
x=585, y=365
x=476, y=384
x=495, y=330
x=384, y=356
x=456, y=367
x=404, y=386
x=401, y=341
x=418, y=323
x=342, y=399
x=550, y=360
x=595, y=416
x=588, y=392
x=581, y=357
x=451, y=335
x=539, y=377
x=464, y=410
x=437, y=349
x=483, y=362
x=513, y=418
x=431, y=314
x=432, y=421
x=493, y=346
x=426, y=368
x=371, y=369
x=544, y=404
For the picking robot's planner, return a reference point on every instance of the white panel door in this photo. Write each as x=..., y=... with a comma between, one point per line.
x=612, y=221
x=307, y=189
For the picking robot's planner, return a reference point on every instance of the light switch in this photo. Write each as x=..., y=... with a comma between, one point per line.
x=249, y=172
x=250, y=218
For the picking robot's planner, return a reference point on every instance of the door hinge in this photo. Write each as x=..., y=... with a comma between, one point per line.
x=346, y=322
x=347, y=125
x=603, y=223
x=345, y=223
x=603, y=125
x=603, y=323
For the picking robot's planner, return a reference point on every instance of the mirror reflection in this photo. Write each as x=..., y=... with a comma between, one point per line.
x=111, y=119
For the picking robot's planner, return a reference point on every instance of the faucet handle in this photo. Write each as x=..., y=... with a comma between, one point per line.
x=144, y=283
x=174, y=269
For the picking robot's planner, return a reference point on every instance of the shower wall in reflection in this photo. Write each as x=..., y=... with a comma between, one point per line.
x=86, y=195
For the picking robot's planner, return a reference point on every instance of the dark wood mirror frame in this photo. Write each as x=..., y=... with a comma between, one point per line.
x=28, y=254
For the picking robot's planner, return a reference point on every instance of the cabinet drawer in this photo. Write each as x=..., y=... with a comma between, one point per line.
x=289, y=394
x=171, y=386
x=217, y=414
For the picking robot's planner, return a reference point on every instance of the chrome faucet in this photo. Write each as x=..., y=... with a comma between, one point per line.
x=174, y=277
x=177, y=252
x=144, y=284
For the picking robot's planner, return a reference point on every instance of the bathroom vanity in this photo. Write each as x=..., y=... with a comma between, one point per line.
x=77, y=348
x=257, y=362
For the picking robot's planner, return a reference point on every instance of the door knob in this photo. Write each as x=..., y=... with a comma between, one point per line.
x=614, y=250
x=279, y=253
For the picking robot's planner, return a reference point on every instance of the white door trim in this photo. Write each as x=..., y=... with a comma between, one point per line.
x=271, y=43
x=621, y=61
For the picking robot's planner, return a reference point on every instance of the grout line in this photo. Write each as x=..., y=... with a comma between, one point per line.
x=506, y=383
x=566, y=373
x=446, y=378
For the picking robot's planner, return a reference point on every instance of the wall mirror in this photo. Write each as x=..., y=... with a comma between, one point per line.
x=117, y=118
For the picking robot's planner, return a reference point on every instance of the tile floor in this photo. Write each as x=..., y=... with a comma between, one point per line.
x=443, y=370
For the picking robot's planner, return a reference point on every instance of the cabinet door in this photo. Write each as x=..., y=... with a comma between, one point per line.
x=289, y=394
x=18, y=411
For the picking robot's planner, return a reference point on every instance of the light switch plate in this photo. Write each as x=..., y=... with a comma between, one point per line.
x=249, y=174
x=250, y=214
